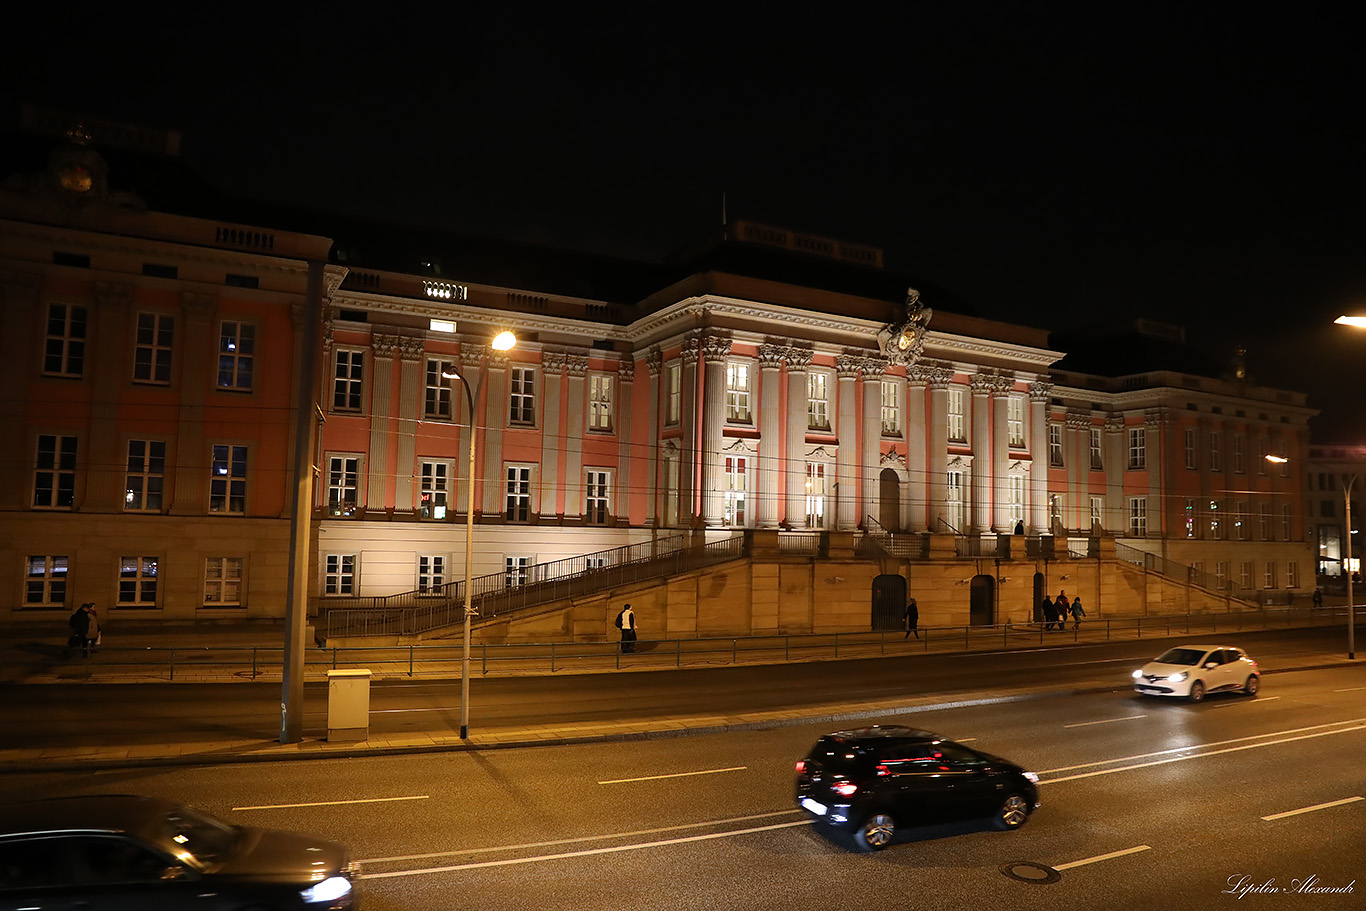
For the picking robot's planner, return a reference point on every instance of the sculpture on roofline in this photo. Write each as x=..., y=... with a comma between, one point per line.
x=902, y=342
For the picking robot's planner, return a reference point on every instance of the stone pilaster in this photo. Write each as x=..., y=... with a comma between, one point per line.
x=687, y=455
x=492, y=414
x=577, y=396
x=798, y=361
x=1000, y=454
x=1116, y=457
x=770, y=438
x=982, y=388
x=621, y=496
x=871, y=450
x=197, y=362
x=1038, y=451
x=104, y=457
x=412, y=382
x=654, y=361
x=1077, y=455
x=382, y=350
x=848, y=368
x=715, y=350
x=554, y=443
x=917, y=468
x=940, y=379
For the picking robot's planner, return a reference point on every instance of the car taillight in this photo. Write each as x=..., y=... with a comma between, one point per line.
x=801, y=766
x=882, y=769
x=845, y=788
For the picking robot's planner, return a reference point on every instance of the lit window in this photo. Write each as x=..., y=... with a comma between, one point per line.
x=737, y=393
x=600, y=393
x=145, y=479
x=1138, y=447
x=343, y=484
x=236, y=355
x=518, y=494
x=817, y=401
x=815, y=494
x=1055, y=445
x=339, y=574
x=674, y=391
x=736, y=484
x=137, y=582
x=223, y=582
x=958, y=424
x=891, y=408
x=45, y=582
x=597, y=491
x=1015, y=421
x=228, y=479
x=1138, y=517
x=435, y=489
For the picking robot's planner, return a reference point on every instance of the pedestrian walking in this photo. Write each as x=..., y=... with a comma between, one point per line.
x=78, y=623
x=87, y=627
x=1318, y=597
x=912, y=619
x=1077, y=612
x=1049, y=611
x=626, y=622
x=1064, y=608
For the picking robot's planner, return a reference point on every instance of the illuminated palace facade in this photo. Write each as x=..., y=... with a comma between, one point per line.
x=772, y=381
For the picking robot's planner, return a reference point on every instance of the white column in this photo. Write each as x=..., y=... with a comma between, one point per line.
x=1116, y=460
x=492, y=415
x=1038, y=453
x=553, y=439
x=982, y=387
x=871, y=500
x=411, y=392
x=626, y=374
x=654, y=360
x=940, y=379
x=917, y=469
x=846, y=459
x=688, y=450
x=770, y=439
x=577, y=397
x=1000, y=455
x=798, y=360
x=382, y=348
x=714, y=352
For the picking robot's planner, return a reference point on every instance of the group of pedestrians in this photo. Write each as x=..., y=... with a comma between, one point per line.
x=1055, y=613
x=84, y=624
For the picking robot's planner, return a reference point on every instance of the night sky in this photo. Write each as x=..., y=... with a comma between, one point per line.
x=1055, y=168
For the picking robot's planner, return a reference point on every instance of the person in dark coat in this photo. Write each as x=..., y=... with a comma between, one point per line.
x=1019, y=527
x=85, y=629
x=1077, y=612
x=626, y=622
x=1064, y=607
x=912, y=619
x=1050, y=612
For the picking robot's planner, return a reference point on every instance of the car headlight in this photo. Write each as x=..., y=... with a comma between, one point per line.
x=1033, y=779
x=1177, y=678
x=330, y=889
x=1137, y=674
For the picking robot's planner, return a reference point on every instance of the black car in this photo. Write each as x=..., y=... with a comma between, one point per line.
x=872, y=780
x=122, y=852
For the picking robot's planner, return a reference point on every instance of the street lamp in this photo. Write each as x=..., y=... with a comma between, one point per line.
x=503, y=342
x=1356, y=322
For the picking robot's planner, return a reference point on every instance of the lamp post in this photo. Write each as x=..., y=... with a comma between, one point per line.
x=503, y=342
x=1356, y=322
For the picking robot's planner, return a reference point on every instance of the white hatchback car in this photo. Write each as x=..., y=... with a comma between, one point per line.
x=1191, y=671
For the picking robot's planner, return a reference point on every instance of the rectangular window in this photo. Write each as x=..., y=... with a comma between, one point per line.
x=1056, y=504
x=431, y=573
x=1216, y=520
x=1015, y=497
x=146, y=476
x=1221, y=574
x=1097, y=460
x=891, y=408
x=673, y=410
x=1138, y=517
x=1292, y=575
x=1239, y=456
x=597, y=496
x=153, y=347
x=435, y=490
x=517, y=569
x=958, y=424
x=1138, y=447
x=339, y=575
x=1240, y=519
x=64, y=346
x=137, y=582
x=1286, y=520
x=601, y=387
x=1216, y=453
x=1260, y=458
x=736, y=484
x=236, y=348
x=1269, y=574
x=343, y=484
x=1015, y=421
x=1245, y=574
x=955, y=502
x=522, y=396
x=815, y=494
x=1190, y=517
x=228, y=479
x=518, y=494
x=1055, y=445
x=348, y=378
x=1190, y=448
x=54, y=477
x=817, y=401
x=45, y=582
x=1263, y=522
x=737, y=393
x=1097, y=512
x=436, y=402
x=223, y=582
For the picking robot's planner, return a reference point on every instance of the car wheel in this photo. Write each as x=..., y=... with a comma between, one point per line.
x=1013, y=813
x=875, y=833
x=1252, y=685
x=1197, y=691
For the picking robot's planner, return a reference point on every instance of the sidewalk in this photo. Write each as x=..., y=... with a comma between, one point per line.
x=210, y=752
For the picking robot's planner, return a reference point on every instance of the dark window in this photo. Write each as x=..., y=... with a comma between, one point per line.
x=79, y=260
x=241, y=281
x=156, y=270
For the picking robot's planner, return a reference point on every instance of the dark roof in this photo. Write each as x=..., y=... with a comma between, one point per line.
x=885, y=732
x=1123, y=350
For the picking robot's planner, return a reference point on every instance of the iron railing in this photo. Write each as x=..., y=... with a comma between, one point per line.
x=498, y=594
x=906, y=545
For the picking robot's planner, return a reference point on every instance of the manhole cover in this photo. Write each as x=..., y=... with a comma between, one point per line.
x=1026, y=871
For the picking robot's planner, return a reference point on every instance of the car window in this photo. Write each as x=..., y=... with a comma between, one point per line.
x=836, y=755
x=1186, y=656
x=35, y=863
x=959, y=756
x=1215, y=657
x=107, y=859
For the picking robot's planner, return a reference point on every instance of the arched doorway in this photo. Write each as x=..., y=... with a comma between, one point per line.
x=983, y=604
x=889, y=601
x=1039, y=583
x=889, y=500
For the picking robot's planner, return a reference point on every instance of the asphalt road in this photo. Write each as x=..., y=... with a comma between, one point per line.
x=1146, y=804
x=92, y=714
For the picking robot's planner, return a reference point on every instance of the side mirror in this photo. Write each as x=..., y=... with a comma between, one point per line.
x=1211, y=664
x=174, y=872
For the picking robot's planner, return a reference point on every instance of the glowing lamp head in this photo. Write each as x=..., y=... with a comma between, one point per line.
x=504, y=341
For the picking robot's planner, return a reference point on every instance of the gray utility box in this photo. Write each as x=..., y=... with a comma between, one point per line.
x=348, y=704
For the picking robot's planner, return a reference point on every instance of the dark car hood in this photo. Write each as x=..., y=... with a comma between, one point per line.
x=282, y=856
x=1002, y=763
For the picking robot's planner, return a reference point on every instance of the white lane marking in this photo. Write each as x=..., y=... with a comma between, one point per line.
x=1318, y=806
x=1098, y=857
x=569, y=854
x=330, y=803
x=1246, y=746
x=965, y=739
x=575, y=840
x=1199, y=746
x=1082, y=724
x=1350, y=689
x=1224, y=705
x=737, y=768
